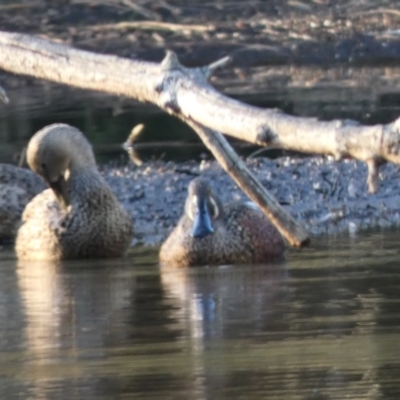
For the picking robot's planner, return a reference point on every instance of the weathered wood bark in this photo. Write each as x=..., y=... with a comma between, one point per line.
x=177, y=88
x=238, y=170
x=187, y=94
x=159, y=84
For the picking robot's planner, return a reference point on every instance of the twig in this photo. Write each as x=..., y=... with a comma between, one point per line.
x=262, y=150
x=129, y=144
x=140, y=10
x=21, y=5
x=210, y=69
x=154, y=25
x=173, y=10
x=238, y=171
x=378, y=11
x=22, y=156
x=131, y=147
x=3, y=96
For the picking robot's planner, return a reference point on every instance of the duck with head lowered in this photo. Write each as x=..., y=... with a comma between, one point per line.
x=211, y=233
x=78, y=216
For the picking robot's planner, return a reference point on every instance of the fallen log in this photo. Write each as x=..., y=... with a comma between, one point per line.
x=186, y=93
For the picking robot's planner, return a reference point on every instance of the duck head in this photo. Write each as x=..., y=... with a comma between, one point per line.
x=55, y=153
x=202, y=207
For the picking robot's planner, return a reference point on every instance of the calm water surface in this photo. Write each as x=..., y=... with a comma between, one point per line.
x=322, y=325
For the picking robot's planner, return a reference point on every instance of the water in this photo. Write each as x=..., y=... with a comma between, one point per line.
x=324, y=324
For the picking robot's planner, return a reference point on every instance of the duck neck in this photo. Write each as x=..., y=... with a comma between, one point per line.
x=82, y=183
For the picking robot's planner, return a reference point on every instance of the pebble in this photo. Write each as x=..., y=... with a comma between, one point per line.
x=326, y=197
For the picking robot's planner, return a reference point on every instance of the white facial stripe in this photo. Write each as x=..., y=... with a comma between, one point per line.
x=190, y=209
x=215, y=207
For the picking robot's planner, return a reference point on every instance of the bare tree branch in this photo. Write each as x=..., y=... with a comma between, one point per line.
x=239, y=172
x=187, y=90
x=177, y=87
x=186, y=93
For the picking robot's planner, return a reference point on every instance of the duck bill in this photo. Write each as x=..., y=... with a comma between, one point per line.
x=202, y=224
x=59, y=188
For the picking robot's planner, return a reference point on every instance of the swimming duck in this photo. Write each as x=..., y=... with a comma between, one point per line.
x=78, y=216
x=17, y=187
x=212, y=233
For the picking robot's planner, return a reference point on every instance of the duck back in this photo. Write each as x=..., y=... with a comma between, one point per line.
x=243, y=236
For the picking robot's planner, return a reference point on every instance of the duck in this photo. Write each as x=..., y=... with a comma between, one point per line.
x=17, y=188
x=78, y=216
x=212, y=233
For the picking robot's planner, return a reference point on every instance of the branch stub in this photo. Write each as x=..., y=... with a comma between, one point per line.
x=170, y=61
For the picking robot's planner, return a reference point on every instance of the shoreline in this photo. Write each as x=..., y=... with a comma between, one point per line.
x=326, y=196
x=269, y=45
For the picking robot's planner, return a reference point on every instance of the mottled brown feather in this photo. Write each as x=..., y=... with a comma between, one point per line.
x=242, y=235
x=93, y=225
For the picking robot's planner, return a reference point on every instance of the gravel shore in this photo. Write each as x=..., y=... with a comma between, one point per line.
x=328, y=197
x=267, y=41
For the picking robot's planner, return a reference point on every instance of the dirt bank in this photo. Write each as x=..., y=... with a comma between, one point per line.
x=253, y=33
x=326, y=196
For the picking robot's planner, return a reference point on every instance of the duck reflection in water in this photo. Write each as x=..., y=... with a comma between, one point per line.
x=212, y=233
x=79, y=216
x=71, y=309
